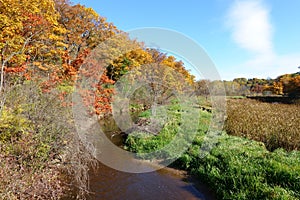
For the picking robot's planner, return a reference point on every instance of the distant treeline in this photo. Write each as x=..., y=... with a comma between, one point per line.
x=284, y=85
x=275, y=99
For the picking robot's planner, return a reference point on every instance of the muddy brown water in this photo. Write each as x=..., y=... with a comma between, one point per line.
x=109, y=184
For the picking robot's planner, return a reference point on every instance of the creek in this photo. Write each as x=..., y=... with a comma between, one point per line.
x=167, y=183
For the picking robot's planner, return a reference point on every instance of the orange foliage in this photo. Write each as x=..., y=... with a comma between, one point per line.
x=103, y=95
x=291, y=84
x=19, y=69
x=48, y=41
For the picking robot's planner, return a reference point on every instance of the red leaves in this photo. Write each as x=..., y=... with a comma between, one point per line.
x=54, y=79
x=71, y=68
x=19, y=69
x=80, y=59
x=34, y=23
x=99, y=101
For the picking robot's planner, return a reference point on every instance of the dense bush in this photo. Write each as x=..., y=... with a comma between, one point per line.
x=31, y=140
x=39, y=147
x=276, y=125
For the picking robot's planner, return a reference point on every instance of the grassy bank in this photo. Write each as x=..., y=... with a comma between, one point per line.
x=236, y=168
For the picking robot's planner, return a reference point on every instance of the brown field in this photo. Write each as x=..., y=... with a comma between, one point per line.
x=276, y=125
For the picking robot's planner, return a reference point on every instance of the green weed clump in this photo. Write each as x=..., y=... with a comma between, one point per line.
x=276, y=125
x=141, y=143
x=239, y=168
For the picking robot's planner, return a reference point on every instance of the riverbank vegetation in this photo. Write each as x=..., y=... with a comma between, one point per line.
x=237, y=167
x=40, y=153
x=43, y=45
x=50, y=47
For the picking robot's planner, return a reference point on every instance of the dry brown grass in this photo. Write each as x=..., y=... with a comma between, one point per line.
x=276, y=125
x=23, y=183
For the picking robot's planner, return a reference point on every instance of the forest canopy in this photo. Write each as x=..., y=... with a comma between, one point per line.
x=48, y=41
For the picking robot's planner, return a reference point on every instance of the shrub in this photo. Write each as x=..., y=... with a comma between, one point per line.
x=39, y=147
x=13, y=124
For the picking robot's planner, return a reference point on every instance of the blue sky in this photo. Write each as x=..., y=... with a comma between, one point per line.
x=244, y=38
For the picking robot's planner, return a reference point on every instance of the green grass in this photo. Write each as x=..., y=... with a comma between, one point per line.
x=236, y=168
x=145, y=143
x=205, y=101
x=146, y=114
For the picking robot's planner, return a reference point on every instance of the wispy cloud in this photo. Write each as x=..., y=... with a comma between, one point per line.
x=251, y=29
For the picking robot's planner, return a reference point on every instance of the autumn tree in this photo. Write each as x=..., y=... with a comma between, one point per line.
x=93, y=84
x=201, y=87
x=291, y=84
x=179, y=67
x=156, y=55
x=215, y=87
x=241, y=81
x=276, y=88
x=85, y=29
x=233, y=88
x=127, y=62
x=155, y=84
x=27, y=30
x=162, y=58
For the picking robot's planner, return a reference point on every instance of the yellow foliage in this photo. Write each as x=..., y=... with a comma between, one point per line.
x=291, y=84
x=12, y=123
x=25, y=25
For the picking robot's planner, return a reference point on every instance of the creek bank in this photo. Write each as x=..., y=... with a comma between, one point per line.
x=166, y=183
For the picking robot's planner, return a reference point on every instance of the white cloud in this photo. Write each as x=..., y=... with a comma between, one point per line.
x=251, y=29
